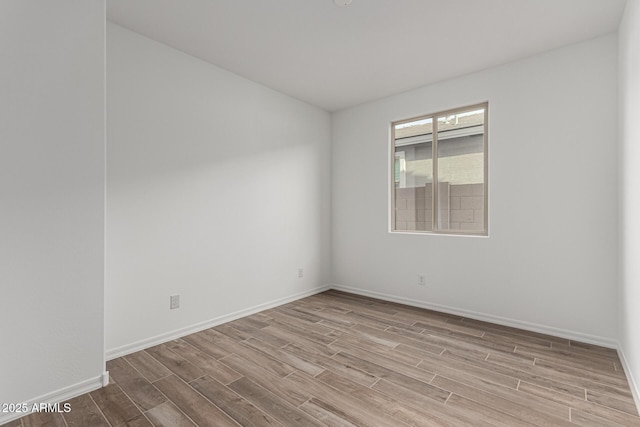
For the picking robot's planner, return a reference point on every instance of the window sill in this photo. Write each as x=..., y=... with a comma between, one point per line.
x=436, y=233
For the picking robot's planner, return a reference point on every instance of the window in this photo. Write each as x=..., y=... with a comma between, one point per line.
x=439, y=172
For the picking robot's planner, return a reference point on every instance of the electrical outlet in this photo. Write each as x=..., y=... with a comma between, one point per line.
x=174, y=302
x=421, y=280
x=300, y=273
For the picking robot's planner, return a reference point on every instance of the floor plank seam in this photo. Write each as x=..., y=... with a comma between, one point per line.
x=447, y=399
x=100, y=410
x=140, y=373
x=141, y=410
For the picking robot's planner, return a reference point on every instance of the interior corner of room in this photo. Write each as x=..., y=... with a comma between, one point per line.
x=132, y=172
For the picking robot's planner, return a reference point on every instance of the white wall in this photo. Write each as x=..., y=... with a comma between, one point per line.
x=629, y=44
x=218, y=190
x=550, y=262
x=51, y=197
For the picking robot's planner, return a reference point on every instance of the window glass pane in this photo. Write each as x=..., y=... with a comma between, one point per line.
x=413, y=175
x=460, y=170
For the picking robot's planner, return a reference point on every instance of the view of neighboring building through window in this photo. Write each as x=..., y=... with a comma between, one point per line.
x=448, y=148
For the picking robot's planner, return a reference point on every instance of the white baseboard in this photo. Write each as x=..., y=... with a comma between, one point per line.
x=57, y=396
x=105, y=379
x=178, y=333
x=533, y=327
x=633, y=385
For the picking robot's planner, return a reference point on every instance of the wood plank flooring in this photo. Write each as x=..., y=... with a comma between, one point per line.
x=337, y=359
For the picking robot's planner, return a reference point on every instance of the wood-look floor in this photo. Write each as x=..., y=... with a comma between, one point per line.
x=337, y=359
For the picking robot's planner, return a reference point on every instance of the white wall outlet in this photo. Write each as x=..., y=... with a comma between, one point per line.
x=421, y=280
x=300, y=272
x=174, y=302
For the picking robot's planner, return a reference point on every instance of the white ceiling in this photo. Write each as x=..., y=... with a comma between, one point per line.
x=336, y=57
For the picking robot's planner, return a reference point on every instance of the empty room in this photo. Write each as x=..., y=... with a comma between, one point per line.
x=319, y=213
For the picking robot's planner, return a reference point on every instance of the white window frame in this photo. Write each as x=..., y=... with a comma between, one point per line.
x=434, y=156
